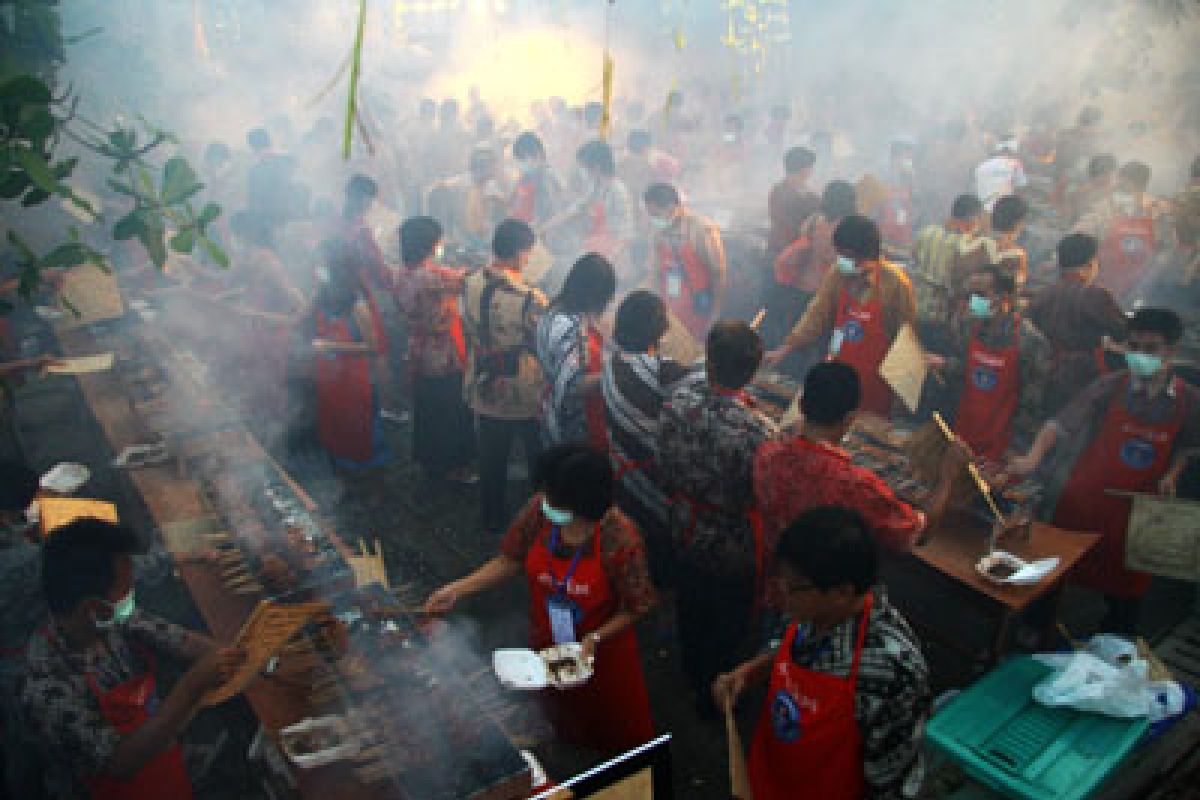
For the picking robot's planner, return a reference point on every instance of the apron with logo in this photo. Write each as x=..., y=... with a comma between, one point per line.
x=570, y=598
x=992, y=387
x=808, y=743
x=859, y=339
x=1125, y=253
x=1127, y=455
x=682, y=276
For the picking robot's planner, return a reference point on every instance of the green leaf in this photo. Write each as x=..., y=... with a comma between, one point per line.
x=38, y=171
x=208, y=214
x=13, y=185
x=122, y=141
x=36, y=123
x=68, y=255
x=121, y=188
x=34, y=196
x=25, y=89
x=184, y=241
x=179, y=181
x=151, y=236
x=63, y=169
x=215, y=252
x=129, y=226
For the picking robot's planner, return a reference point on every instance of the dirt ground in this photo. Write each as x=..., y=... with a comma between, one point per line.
x=429, y=535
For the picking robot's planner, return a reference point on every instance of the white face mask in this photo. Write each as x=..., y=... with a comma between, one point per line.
x=322, y=274
x=847, y=265
x=660, y=223
x=439, y=252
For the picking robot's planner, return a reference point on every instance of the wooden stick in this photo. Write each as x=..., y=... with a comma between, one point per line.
x=758, y=319
x=980, y=483
x=739, y=779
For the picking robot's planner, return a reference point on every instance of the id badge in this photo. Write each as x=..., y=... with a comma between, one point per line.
x=562, y=612
x=835, y=342
x=674, y=284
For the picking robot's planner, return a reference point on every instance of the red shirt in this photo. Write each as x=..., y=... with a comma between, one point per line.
x=794, y=475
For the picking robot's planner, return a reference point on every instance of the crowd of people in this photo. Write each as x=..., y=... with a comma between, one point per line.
x=529, y=300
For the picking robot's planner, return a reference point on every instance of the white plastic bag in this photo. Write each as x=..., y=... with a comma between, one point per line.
x=1107, y=678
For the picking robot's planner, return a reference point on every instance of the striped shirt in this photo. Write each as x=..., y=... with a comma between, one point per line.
x=561, y=343
x=635, y=386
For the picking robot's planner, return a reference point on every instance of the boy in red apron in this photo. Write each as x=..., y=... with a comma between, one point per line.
x=860, y=306
x=90, y=693
x=848, y=688
x=588, y=582
x=1131, y=431
x=689, y=260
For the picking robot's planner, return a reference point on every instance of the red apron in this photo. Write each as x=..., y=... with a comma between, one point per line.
x=1125, y=253
x=1127, y=455
x=598, y=239
x=345, y=396
x=681, y=276
x=523, y=205
x=864, y=343
x=594, y=413
x=808, y=743
x=612, y=710
x=991, y=389
x=127, y=707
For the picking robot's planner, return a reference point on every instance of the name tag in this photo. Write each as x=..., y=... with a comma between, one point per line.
x=563, y=613
x=835, y=342
x=674, y=283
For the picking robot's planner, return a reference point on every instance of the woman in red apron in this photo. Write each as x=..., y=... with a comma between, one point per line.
x=588, y=583
x=1127, y=455
x=991, y=390
x=860, y=340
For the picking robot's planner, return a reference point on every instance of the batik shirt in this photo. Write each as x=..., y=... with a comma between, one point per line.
x=562, y=352
x=428, y=296
x=706, y=446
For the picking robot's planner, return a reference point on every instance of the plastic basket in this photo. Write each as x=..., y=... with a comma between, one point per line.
x=1003, y=738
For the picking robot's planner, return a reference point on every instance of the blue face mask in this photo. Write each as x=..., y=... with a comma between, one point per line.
x=556, y=515
x=1143, y=365
x=847, y=265
x=980, y=306
x=122, y=610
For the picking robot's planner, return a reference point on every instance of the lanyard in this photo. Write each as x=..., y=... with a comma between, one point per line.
x=560, y=588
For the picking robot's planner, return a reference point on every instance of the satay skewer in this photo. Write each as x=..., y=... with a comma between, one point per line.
x=976, y=476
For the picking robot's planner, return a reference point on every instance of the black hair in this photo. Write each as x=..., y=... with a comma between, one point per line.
x=577, y=478
x=966, y=207
x=258, y=139
x=485, y=126
x=448, y=108
x=418, y=239
x=360, y=191
x=1009, y=212
x=838, y=200
x=481, y=156
x=641, y=321
x=216, y=153
x=18, y=486
x=638, y=141
x=528, y=145
x=427, y=107
x=597, y=155
x=1101, y=165
x=798, y=159
x=661, y=194
x=1162, y=321
x=831, y=546
x=1136, y=173
x=1076, y=251
x=1002, y=282
x=77, y=561
x=733, y=352
x=832, y=392
x=1089, y=115
x=589, y=287
x=593, y=112
x=512, y=238
x=858, y=236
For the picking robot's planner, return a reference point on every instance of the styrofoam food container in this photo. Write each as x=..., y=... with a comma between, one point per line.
x=65, y=478
x=348, y=748
x=529, y=670
x=1026, y=573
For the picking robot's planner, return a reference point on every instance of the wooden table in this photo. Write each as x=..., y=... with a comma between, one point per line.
x=959, y=544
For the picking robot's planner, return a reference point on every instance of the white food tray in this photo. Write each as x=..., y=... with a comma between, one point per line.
x=529, y=670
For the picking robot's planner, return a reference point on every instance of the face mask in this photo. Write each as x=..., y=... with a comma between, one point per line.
x=555, y=515
x=322, y=274
x=660, y=223
x=846, y=265
x=439, y=252
x=121, y=612
x=980, y=306
x=906, y=165
x=1143, y=365
x=526, y=167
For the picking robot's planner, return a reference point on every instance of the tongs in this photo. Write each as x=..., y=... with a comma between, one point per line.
x=980, y=482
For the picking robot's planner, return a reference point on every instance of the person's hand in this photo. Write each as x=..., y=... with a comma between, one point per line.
x=443, y=600
x=773, y=357
x=215, y=667
x=53, y=276
x=1021, y=466
x=1168, y=483
x=728, y=687
x=955, y=459
x=588, y=652
x=934, y=361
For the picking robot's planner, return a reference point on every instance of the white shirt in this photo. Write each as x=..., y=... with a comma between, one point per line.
x=999, y=175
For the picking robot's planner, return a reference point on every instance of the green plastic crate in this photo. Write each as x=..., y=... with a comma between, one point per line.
x=1003, y=738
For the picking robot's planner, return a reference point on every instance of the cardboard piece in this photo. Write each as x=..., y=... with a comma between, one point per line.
x=678, y=342
x=368, y=567
x=189, y=537
x=81, y=365
x=263, y=635
x=58, y=511
x=91, y=292
x=1163, y=537
x=904, y=367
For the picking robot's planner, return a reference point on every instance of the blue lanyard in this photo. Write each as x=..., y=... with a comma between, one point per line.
x=560, y=588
